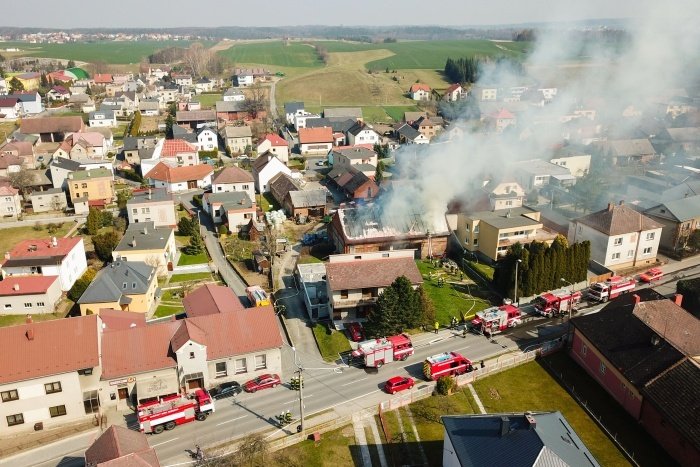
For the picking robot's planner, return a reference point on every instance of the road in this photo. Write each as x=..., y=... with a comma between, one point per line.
x=348, y=391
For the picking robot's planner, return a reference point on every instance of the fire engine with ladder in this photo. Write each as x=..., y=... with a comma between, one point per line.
x=557, y=302
x=497, y=319
x=446, y=364
x=170, y=411
x=376, y=352
x=611, y=288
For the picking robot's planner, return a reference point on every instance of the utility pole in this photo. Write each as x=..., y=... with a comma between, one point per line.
x=300, y=370
x=515, y=295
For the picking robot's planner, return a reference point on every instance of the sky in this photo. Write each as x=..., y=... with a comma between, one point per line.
x=183, y=13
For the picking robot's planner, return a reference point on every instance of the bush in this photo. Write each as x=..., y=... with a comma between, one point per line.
x=209, y=154
x=81, y=284
x=223, y=230
x=197, y=201
x=445, y=385
x=186, y=226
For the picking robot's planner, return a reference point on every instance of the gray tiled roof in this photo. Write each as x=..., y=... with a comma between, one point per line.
x=308, y=198
x=145, y=236
x=231, y=199
x=682, y=209
x=292, y=107
x=156, y=195
x=108, y=285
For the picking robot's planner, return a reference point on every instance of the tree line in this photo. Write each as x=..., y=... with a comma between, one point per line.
x=470, y=69
x=542, y=267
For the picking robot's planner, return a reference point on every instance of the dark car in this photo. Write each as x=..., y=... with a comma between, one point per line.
x=355, y=331
x=226, y=390
x=262, y=382
x=398, y=383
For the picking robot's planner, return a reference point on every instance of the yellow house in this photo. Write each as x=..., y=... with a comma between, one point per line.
x=30, y=81
x=122, y=285
x=492, y=232
x=97, y=185
x=152, y=245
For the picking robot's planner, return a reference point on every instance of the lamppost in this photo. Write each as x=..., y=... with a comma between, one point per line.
x=515, y=293
x=300, y=370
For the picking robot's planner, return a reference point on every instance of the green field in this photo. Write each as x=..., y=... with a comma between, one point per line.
x=330, y=343
x=209, y=100
x=428, y=54
x=192, y=276
x=274, y=53
x=108, y=52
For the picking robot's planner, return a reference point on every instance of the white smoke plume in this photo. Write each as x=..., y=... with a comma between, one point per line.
x=662, y=54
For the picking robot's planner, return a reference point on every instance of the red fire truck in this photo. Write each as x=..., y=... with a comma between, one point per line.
x=446, y=364
x=557, y=302
x=376, y=352
x=611, y=288
x=496, y=319
x=170, y=411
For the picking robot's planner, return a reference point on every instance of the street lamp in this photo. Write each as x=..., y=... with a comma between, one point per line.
x=300, y=369
x=571, y=303
x=515, y=293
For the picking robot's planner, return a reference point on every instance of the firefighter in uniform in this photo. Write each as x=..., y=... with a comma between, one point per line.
x=437, y=327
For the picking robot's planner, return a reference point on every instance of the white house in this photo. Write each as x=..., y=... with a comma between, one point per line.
x=316, y=140
x=155, y=206
x=362, y=134
x=207, y=139
x=233, y=95
x=620, y=236
x=10, y=201
x=10, y=108
x=182, y=79
x=300, y=120
x=419, y=92
x=53, y=199
x=21, y=295
x=264, y=168
x=244, y=78
x=30, y=102
x=276, y=145
x=102, y=118
x=177, y=179
x=578, y=164
x=234, y=179
x=62, y=257
x=292, y=110
x=454, y=93
x=234, y=208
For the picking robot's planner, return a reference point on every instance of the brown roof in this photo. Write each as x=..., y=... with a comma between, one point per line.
x=322, y=134
x=195, y=115
x=169, y=174
x=280, y=185
x=673, y=323
x=117, y=320
x=18, y=148
x=224, y=334
x=36, y=126
x=618, y=220
x=48, y=348
x=233, y=175
x=210, y=299
x=371, y=273
x=117, y=443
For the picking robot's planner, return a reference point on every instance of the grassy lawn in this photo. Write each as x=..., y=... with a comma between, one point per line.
x=166, y=310
x=208, y=100
x=308, y=260
x=186, y=259
x=292, y=54
x=530, y=387
x=12, y=320
x=330, y=343
x=267, y=200
x=193, y=276
x=396, y=111
x=9, y=237
x=484, y=269
x=5, y=129
x=452, y=299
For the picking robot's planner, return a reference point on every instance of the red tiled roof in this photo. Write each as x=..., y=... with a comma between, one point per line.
x=275, y=139
x=452, y=88
x=371, y=273
x=224, y=334
x=48, y=348
x=117, y=320
x=126, y=447
x=322, y=134
x=210, y=299
x=102, y=78
x=233, y=175
x=502, y=113
x=164, y=172
x=25, y=285
x=42, y=248
x=420, y=87
x=9, y=160
x=173, y=147
x=8, y=102
x=7, y=190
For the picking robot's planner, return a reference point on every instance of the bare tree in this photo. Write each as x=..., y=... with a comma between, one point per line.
x=22, y=180
x=256, y=100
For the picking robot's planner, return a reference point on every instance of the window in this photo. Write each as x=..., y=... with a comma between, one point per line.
x=124, y=284
x=53, y=387
x=10, y=395
x=366, y=293
x=7, y=306
x=584, y=350
x=76, y=186
x=84, y=185
x=602, y=368
x=616, y=256
x=27, y=305
x=509, y=203
x=245, y=187
x=650, y=236
x=39, y=303
x=260, y=362
x=630, y=253
x=476, y=229
x=618, y=241
x=16, y=419
x=476, y=242
x=647, y=251
x=85, y=371
x=135, y=210
x=344, y=293
x=191, y=355
x=221, y=369
x=241, y=366
x=57, y=411
x=91, y=402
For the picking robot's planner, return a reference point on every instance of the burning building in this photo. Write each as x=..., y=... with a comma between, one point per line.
x=374, y=228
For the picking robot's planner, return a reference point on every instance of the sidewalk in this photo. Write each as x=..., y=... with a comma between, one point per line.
x=20, y=444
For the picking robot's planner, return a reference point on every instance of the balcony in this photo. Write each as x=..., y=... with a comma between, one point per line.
x=353, y=302
x=540, y=235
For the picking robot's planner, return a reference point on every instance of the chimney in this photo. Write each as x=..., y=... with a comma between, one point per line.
x=505, y=425
x=133, y=241
x=28, y=319
x=15, y=287
x=637, y=298
x=54, y=242
x=7, y=255
x=531, y=421
x=678, y=299
x=610, y=207
x=145, y=230
x=30, y=334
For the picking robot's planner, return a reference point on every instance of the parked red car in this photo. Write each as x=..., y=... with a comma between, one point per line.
x=398, y=383
x=653, y=274
x=262, y=382
x=355, y=330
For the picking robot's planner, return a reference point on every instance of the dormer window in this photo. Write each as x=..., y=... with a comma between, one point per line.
x=125, y=285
